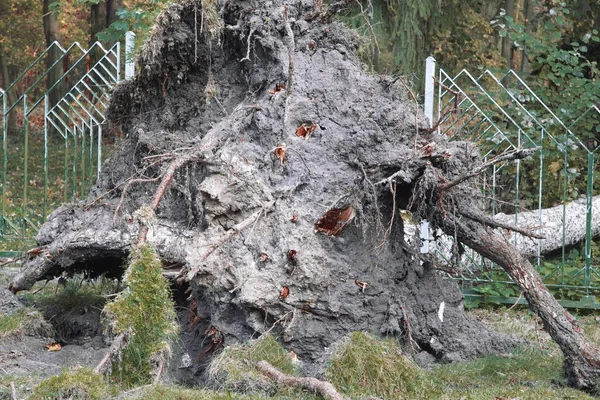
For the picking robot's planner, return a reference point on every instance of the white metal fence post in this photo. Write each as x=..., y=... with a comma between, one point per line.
x=429, y=89
x=129, y=50
x=428, y=108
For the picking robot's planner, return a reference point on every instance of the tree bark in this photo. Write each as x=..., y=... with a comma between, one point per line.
x=52, y=34
x=101, y=16
x=528, y=16
x=10, y=94
x=549, y=223
x=582, y=359
x=506, y=50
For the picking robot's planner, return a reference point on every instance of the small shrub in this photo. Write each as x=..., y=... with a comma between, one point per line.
x=368, y=366
x=78, y=383
x=146, y=312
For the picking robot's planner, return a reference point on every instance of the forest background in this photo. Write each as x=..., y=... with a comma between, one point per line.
x=554, y=44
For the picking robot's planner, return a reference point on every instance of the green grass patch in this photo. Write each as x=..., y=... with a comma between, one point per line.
x=78, y=383
x=368, y=366
x=526, y=374
x=145, y=311
x=164, y=392
x=236, y=362
x=24, y=321
x=23, y=384
x=233, y=368
x=75, y=294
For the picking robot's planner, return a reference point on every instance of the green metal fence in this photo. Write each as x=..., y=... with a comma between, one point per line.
x=554, y=189
x=55, y=155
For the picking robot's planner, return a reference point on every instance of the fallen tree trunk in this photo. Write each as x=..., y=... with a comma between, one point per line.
x=455, y=212
x=549, y=223
x=582, y=358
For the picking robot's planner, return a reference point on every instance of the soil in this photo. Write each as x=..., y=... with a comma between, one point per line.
x=23, y=354
x=311, y=247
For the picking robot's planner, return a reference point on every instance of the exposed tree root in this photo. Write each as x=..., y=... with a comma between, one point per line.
x=325, y=389
x=117, y=345
x=231, y=233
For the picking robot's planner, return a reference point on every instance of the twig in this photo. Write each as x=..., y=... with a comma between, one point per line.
x=12, y=260
x=161, y=366
x=325, y=389
x=334, y=9
x=407, y=328
x=302, y=158
x=377, y=211
x=103, y=195
x=537, y=333
x=116, y=346
x=124, y=192
x=362, y=12
x=285, y=316
x=291, y=53
x=388, y=231
x=511, y=155
x=448, y=111
x=516, y=302
x=399, y=78
x=160, y=191
x=13, y=390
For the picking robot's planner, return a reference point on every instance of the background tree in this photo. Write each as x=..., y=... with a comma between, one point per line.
x=17, y=49
x=54, y=66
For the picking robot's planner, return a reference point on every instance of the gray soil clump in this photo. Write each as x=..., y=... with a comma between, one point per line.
x=248, y=230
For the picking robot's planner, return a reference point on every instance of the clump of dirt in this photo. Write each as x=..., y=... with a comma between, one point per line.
x=281, y=215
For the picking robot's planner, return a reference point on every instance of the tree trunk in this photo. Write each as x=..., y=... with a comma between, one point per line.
x=102, y=15
x=582, y=359
x=549, y=223
x=54, y=85
x=10, y=94
x=527, y=21
x=507, y=43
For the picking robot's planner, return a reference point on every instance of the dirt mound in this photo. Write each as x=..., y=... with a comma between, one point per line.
x=281, y=215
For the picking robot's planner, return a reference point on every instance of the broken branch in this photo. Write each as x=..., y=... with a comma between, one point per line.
x=486, y=220
x=325, y=389
x=511, y=155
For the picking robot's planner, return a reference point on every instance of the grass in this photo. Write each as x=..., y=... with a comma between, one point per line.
x=77, y=383
x=144, y=311
x=71, y=172
x=233, y=368
x=369, y=366
x=363, y=367
x=77, y=293
x=24, y=321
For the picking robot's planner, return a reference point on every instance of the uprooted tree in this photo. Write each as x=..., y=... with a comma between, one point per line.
x=268, y=169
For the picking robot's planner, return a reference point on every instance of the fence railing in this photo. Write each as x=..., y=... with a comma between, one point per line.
x=56, y=154
x=500, y=112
